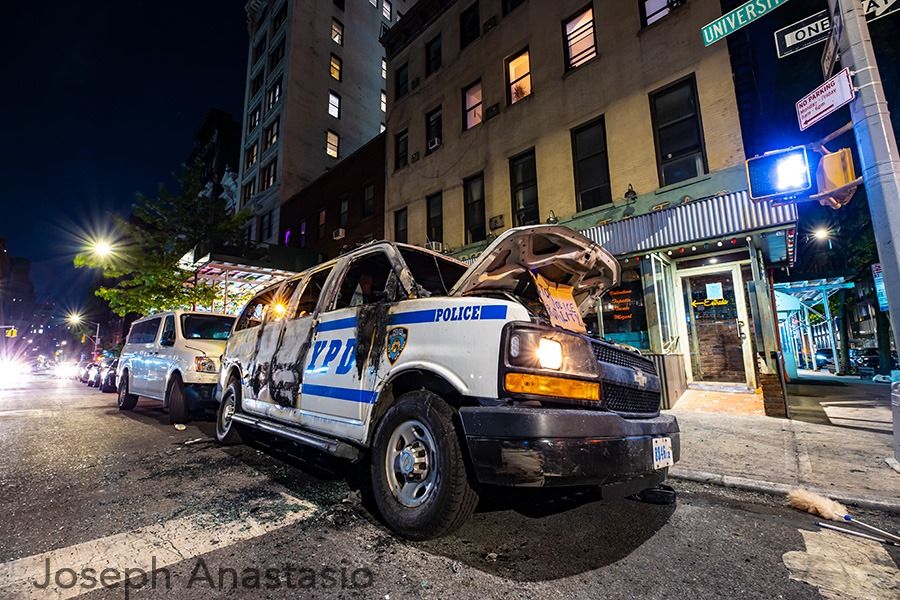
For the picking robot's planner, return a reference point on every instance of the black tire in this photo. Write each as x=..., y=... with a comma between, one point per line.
x=450, y=498
x=176, y=401
x=227, y=430
x=125, y=400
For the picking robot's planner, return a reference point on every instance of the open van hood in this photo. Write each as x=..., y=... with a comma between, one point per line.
x=558, y=253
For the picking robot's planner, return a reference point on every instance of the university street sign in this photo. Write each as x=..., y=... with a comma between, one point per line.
x=825, y=99
x=830, y=54
x=741, y=16
x=814, y=29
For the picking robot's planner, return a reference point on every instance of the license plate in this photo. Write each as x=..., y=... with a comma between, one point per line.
x=662, y=452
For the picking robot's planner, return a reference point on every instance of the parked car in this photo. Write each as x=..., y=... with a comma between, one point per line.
x=93, y=378
x=444, y=379
x=83, y=370
x=869, y=358
x=108, y=377
x=173, y=357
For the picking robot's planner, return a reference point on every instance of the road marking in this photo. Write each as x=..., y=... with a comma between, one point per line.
x=844, y=567
x=144, y=550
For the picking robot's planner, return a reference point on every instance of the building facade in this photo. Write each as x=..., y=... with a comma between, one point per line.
x=611, y=118
x=314, y=94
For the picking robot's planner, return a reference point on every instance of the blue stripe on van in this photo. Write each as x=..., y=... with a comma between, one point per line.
x=490, y=312
x=351, y=395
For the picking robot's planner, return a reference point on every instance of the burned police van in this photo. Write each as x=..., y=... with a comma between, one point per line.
x=444, y=378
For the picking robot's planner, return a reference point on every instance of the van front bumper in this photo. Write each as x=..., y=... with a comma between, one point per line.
x=542, y=447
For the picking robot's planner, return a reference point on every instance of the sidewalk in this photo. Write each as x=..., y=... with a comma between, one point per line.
x=843, y=458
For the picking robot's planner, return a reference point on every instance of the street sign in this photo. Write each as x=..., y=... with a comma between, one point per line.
x=802, y=34
x=741, y=16
x=880, y=292
x=830, y=54
x=825, y=99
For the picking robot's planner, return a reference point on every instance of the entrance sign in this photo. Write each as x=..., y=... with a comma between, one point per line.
x=830, y=54
x=741, y=16
x=560, y=304
x=825, y=99
x=879, y=287
x=802, y=34
x=714, y=291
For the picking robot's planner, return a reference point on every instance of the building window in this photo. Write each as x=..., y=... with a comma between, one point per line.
x=273, y=95
x=591, y=165
x=433, y=55
x=401, y=149
x=523, y=183
x=401, y=233
x=259, y=50
x=344, y=214
x=434, y=208
x=386, y=10
x=383, y=68
x=337, y=32
x=580, y=43
x=510, y=5
x=251, y=153
x=518, y=77
x=368, y=204
x=257, y=82
x=678, y=131
x=332, y=144
x=383, y=101
x=276, y=54
x=280, y=17
x=472, y=109
x=374, y=3
x=265, y=226
x=334, y=105
x=382, y=128
x=268, y=174
x=469, y=26
x=473, y=197
x=335, y=68
x=270, y=134
x=253, y=119
x=654, y=10
x=322, y=222
x=401, y=81
x=248, y=190
x=433, y=130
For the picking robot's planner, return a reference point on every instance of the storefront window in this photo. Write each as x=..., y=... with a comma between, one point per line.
x=665, y=302
x=622, y=310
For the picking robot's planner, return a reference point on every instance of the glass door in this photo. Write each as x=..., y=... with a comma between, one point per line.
x=714, y=326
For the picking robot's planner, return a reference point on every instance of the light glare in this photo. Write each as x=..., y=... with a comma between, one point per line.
x=790, y=172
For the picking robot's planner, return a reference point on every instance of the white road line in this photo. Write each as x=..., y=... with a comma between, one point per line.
x=142, y=550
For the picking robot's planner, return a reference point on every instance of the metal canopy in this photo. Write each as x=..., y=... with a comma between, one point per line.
x=810, y=291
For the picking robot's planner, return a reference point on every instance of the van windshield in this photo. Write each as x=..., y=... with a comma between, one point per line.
x=434, y=273
x=206, y=327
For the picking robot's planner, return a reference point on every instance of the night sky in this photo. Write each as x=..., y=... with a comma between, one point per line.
x=101, y=100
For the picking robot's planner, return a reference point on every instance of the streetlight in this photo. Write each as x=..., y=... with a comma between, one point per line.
x=77, y=319
x=823, y=234
x=101, y=248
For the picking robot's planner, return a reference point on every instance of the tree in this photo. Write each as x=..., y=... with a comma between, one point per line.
x=144, y=267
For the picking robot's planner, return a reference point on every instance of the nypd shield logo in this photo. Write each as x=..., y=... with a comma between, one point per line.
x=396, y=342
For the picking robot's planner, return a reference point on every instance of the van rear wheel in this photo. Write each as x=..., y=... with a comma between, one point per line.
x=126, y=401
x=420, y=484
x=178, y=411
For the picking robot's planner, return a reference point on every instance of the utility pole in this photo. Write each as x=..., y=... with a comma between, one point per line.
x=878, y=154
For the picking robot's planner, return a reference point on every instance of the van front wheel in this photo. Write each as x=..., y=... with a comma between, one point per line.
x=420, y=484
x=178, y=410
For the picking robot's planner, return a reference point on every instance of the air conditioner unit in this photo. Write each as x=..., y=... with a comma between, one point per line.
x=670, y=4
x=434, y=144
x=491, y=23
x=491, y=112
x=339, y=234
x=415, y=83
x=414, y=157
x=434, y=246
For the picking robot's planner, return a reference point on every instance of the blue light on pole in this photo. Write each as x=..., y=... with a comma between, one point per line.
x=779, y=174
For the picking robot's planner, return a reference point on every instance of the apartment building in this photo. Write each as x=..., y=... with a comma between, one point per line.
x=315, y=93
x=611, y=118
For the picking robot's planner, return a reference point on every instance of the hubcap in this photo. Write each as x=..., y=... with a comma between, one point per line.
x=227, y=412
x=410, y=463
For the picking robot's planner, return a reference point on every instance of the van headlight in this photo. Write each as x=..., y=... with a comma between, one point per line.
x=205, y=364
x=534, y=348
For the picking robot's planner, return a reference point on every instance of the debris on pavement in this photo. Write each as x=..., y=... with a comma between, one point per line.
x=180, y=427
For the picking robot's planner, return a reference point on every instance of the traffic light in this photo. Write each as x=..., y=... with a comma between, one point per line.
x=12, y=332
x=779, y=174
x=835, y=172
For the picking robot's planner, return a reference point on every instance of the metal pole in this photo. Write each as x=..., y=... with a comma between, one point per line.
x=878, y=154
x=96, y=339
x=810, y=340
x=829, y=322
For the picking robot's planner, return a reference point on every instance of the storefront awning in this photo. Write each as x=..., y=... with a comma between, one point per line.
x=710, y=218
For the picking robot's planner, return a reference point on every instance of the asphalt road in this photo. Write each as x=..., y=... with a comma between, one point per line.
x=84, y=487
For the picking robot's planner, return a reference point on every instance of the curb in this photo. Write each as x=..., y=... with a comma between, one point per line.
x=781, y=489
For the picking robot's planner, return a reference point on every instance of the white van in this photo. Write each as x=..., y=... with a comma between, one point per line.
x=173, y=357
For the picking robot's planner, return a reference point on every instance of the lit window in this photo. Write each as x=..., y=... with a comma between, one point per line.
x=268, y=174
x=250, y=155
x=332, y=144
x=335, y=68
x=248, y=190
x=337, y=32
x=383, y=101
x=518, y=77
x=383, y=69
x=270, y=134
x=654, y=10
x=386, y=9
x=253, y=119
x=383, y=128
x=273, y=95
x=580, y=44
x=472, y=105
x=334, y=105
